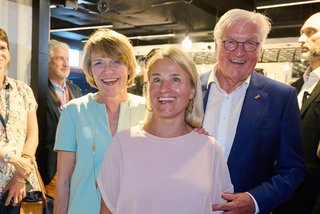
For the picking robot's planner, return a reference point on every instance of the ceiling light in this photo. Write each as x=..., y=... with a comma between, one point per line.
x=186, y=43
x=149, y=37
x=80, y=28
x=287, y=4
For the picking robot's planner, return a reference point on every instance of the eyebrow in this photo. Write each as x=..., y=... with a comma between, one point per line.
x=174, y=75
x=308, y=28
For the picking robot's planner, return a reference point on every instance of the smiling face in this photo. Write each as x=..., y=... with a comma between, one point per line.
x=110, y=75
x=310, y=37
x=170, y=89
x=4, y=57
x=58, y=68
x=235, y=66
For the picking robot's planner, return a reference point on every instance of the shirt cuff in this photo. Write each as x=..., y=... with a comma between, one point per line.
x=255, y=204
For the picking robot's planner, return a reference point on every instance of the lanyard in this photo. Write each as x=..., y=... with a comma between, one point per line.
x=4, y=121
x=60, y=98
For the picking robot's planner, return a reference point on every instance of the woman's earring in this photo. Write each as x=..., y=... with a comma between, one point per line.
x=147, y=107
x=190, y=105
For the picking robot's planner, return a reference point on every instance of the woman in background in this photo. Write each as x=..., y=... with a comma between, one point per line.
x=164, y=165
x=18, y=135
x=87, y=124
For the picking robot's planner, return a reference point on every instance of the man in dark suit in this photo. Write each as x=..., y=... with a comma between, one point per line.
x=60, y=91
x=308, y=87
x=256, y=120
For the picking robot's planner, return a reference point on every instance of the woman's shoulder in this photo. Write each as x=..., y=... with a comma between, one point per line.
x=83, y=100
x=205, y=139
x=80, y=104
x=18, y=84
x=130, y=134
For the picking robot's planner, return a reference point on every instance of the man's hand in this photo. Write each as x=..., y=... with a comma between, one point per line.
x=237, y=203
x=201, y=131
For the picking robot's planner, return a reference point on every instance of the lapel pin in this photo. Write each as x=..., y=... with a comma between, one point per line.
x=257, y=97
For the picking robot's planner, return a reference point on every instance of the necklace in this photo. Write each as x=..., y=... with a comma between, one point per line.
x=95, y=130
x=4, y=120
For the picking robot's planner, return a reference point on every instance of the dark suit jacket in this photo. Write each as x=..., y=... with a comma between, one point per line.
x=304, y=198
x=47, y=158
x=266, y=158
x=310, y=115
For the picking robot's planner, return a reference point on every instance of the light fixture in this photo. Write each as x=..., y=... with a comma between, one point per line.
x=186, y=43
x=171, y=2
x=80, y=28
x=287, y=4
x=149, y=37
x=146, y=37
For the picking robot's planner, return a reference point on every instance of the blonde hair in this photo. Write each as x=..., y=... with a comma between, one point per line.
x=113, y=45
x=235, y=15
x=194, y=111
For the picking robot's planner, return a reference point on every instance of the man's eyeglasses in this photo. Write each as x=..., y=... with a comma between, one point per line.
x=248, y=46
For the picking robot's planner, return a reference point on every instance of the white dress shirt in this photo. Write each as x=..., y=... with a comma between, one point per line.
x=61, y=92
x=311, y=79
x=222, y=119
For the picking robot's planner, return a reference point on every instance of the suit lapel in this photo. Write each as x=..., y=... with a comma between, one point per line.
x=253, y=105
x=315, y=93
x=298, y=84
x=53, y=100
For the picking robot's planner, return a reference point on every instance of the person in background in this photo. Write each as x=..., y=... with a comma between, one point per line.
x=260, y=71
x=308, y=87
x=164, y=165
x=87, y=124
x=256, y=120
x=18, y=135
x=60, y=91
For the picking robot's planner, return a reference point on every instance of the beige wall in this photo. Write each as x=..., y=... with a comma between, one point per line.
x=16, y=20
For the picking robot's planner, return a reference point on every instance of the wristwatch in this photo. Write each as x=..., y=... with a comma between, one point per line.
x=6, y=158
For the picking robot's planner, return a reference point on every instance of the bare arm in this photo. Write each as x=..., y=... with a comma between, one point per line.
x=24, y=165
x=16, y=186
x=103, y=208
x=318, y=152
x=66, y=163
x=32, y=135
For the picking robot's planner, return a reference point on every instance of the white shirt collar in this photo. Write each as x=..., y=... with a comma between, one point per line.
x=213, y=79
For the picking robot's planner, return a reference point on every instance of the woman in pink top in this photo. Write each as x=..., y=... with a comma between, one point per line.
x=163, y=166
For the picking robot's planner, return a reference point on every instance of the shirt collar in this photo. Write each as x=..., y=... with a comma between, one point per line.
x=311, y=73
x=213, y=79
x=58, y=87
x=7, y=82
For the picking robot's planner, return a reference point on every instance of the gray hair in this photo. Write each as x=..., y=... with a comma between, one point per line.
x=53, y=44
x=235, y=15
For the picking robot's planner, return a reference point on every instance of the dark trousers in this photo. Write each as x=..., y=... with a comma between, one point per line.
x=304, y=199
x=7, y=209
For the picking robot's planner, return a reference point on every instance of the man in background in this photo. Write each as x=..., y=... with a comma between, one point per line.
x=308, y=87
x=60, y=91
x=255, y=119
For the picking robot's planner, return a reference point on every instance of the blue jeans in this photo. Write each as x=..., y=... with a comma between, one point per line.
x=8, y=209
